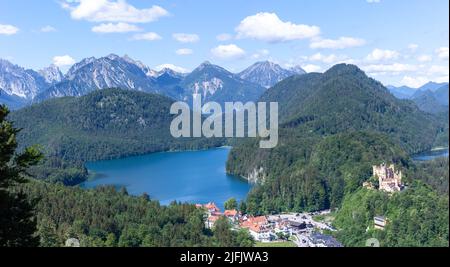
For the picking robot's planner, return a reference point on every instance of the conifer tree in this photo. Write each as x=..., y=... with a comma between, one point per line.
x=17, y=224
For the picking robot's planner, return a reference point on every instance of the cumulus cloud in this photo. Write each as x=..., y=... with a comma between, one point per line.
x=224, y=37
x=120, y=27
x=112, y=11
x=341, y=43
x=62, y=61
x=268, y=27
x=186, y=37
x=413, y=47
x=6, y=29
x=438, y=70
x=172, y=67
x=329, y=59
x=442, y=53
x=260, y=54
x=311, y=68
x=414, y=82
x=230, y=51
x=48, y=28
x=380, y=55
x=424, y=58
x=390, y=68
x=148, y=36
x=184, y=51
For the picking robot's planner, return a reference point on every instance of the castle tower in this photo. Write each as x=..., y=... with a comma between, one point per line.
x=389, y=180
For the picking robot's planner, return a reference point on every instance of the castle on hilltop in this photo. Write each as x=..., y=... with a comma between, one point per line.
x=389, y=180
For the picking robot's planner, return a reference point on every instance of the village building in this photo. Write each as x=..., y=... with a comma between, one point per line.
x=212, y=208
x=232, y=215
x=211, y=220
x=260, y=220
x=380, y=222
x=212, y=213
x=389, y=180
x=258, y=228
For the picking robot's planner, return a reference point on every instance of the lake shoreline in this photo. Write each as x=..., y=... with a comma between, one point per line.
x=196, y=177
x=438, y=152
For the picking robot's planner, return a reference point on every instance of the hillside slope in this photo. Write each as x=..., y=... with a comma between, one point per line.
x=104, y=124
x=334, y=127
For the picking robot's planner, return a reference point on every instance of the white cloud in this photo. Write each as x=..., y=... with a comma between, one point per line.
x=268, y=27
x=438, y=70
x=148, y=36
x=62, y=61
x=6, y=29
x=224, y=37
x=184, y=51
x=228, y=51
x=424, y=58
x=390, y=68
x=120, y=27
x=260, y=54
x=341, y=43
x=326, y=59
x=373, y=1
x=311, y=68
x=112, y=11
x=413, y=47
x=414, y=82
x=172, y=67
x=380, y=55
x=186, y=37
x=442, y=53
x=442, y=79
x=48, y=28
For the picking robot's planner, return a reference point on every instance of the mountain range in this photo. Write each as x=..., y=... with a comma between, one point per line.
x=268, y=74
x=19, y=87
x=431, y=97
x=334, y=127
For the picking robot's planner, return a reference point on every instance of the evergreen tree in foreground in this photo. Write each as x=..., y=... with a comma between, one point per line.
x=17, y=225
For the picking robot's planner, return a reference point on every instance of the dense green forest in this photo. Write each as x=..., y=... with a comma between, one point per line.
x=17, y=222
x=105, y=124
x=417, y=217
x=317, y=175
x=38, y=213
x=344, y=99
x=334, y=127
x=109, y=217
x=434, y=173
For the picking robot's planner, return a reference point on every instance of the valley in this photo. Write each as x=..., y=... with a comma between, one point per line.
x=334, y=126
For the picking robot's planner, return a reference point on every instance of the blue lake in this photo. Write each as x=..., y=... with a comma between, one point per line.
x=193, y=176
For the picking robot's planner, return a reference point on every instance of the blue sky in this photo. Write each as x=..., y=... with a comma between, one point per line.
x=395, y=41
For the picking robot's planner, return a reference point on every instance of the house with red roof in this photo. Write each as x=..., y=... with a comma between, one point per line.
x=233, y=215
x=212, y=208
x=258, y=228
x=211, y=220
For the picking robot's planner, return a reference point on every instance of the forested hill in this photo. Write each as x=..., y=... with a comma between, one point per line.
x=104, y=124
x=344, y=99
x=334, y=127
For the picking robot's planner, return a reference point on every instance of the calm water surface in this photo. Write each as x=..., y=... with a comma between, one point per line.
x=431, y=155
x=193, y=176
